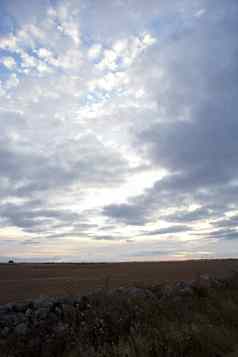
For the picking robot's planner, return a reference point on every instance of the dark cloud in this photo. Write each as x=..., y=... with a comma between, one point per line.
x=188, y=216
x=28, y=171
x=32, y=217
x=194, y=136
x=227, y=222
x=168, y=230
x=224, y=233
x=128, y=214
x=107, y=237
x=31, y=242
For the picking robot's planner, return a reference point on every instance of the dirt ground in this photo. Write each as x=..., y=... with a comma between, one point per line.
x=19, y=282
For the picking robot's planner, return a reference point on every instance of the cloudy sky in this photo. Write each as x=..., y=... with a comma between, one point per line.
x=118, y=129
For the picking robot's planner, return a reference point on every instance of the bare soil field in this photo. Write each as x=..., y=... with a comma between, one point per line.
x=19, y=282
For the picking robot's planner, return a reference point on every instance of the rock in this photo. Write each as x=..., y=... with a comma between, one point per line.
x=5, y=331
x=9, y=307
x=20, y=317
x=181, y=285
x=202, y=282
x=11, y=319
x=157, y=290
x=28, y=313
x=69, y=313
x=21, y=329
x=133, y=292
x=183, y=289
x=43, y=302
x=20, y=307
x=205, y=281
x=2, y=308
x=168, y=291
x=52, y=318
x=218, y=283
x=60, y=328
x=58, y=311
x=41, y=313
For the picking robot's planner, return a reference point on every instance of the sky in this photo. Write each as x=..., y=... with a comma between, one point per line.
x=118, y=130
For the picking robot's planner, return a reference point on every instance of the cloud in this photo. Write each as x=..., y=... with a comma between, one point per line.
x=107, y=238
x=32, y=217
x=188, y=215
x=168, y=230
x=227, y=222
x=224, y=233
x=117, y=120
x=193, y=136
x=95, y=51
x=124, y=52
x=12, y=82
x=29, y=171
x=125, y=213
x=9, y=62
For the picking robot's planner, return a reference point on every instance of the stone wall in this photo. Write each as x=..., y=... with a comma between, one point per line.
x=48, y=326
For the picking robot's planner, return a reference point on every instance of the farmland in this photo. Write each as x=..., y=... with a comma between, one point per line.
x=19, y=282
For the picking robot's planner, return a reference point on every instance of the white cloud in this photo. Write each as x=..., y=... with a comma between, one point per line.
x=125, y=51
x=109, y=60
x=68, y=21
x=8, y=43
x=200, y=13
x=9, y=62
x=43, y=68
x=44, y=53
x=72, y=29
x=12, y=82
x=120, y=46
x=2, y=91
x=109, y=82
x=27, y=60
x=148, y=40
x=95, y=51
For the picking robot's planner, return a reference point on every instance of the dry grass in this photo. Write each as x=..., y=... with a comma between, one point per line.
x=202, y=325
x=157, y=321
